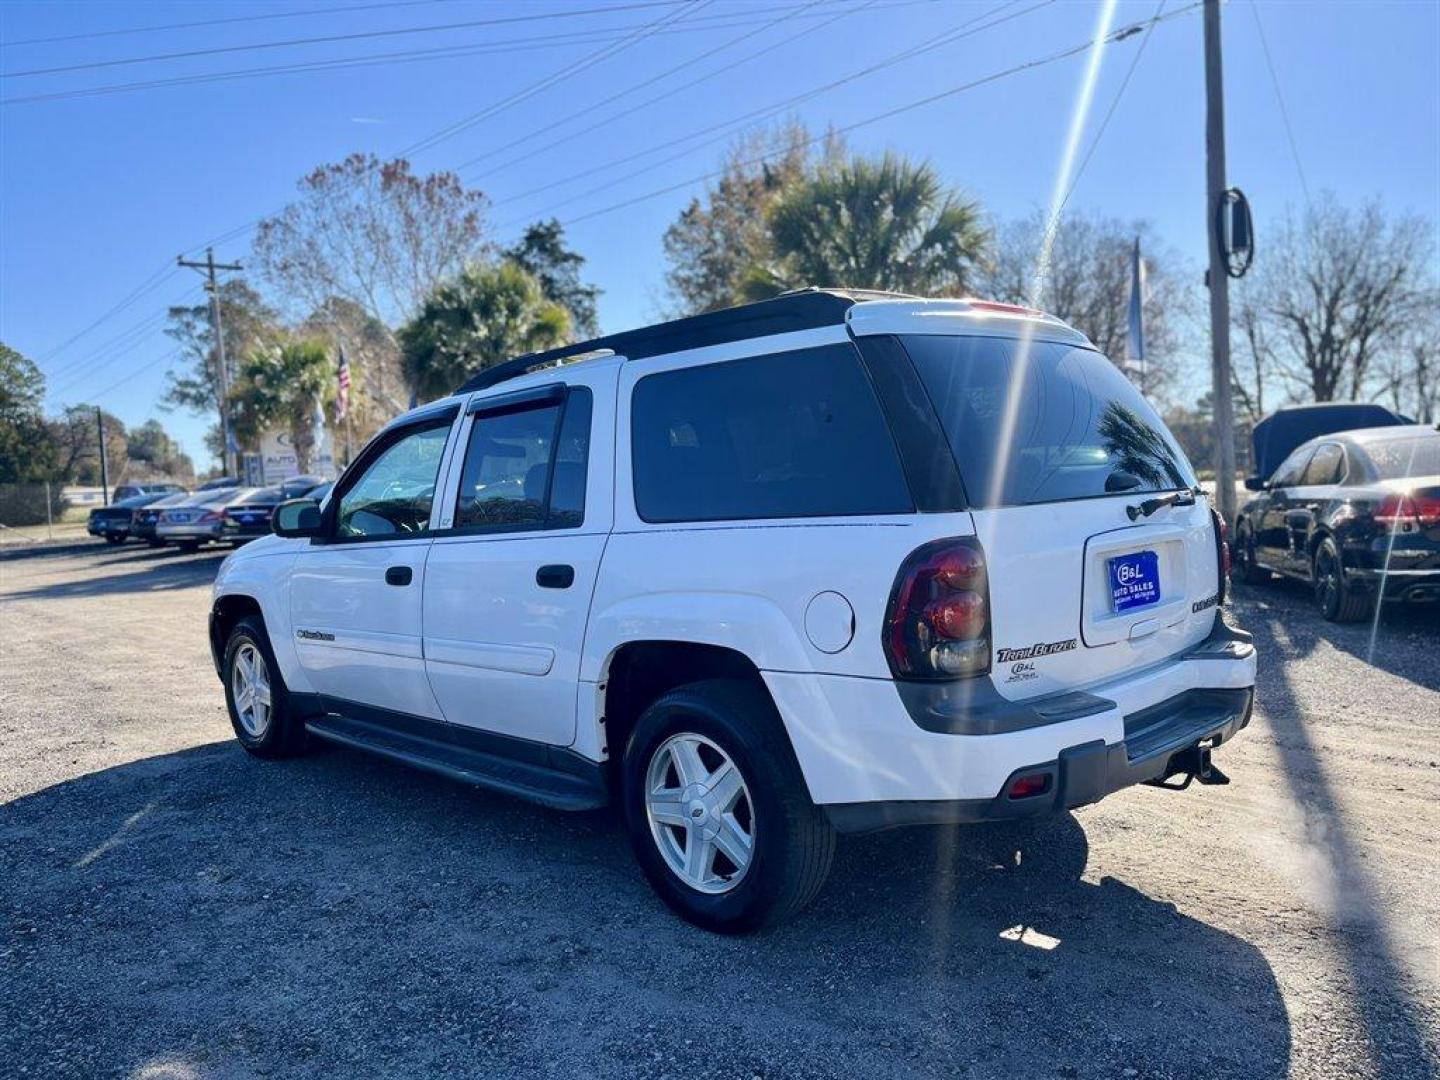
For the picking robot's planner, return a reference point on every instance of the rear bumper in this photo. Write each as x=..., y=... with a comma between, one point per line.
x=1079, y=775
x=188, y=531
x=1415, y=585
x=872, y=764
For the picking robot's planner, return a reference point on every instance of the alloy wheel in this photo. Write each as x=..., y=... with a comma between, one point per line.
x=700, y=813
x=250, y=688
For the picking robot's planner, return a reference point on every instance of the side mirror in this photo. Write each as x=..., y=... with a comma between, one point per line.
x=1254, y=483
x=298, y=517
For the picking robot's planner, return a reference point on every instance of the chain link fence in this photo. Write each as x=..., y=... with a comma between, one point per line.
x=33, y=507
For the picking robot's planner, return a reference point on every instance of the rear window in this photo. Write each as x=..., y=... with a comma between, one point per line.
x=796, y=434
x=1398, y=459
x=1076, y=424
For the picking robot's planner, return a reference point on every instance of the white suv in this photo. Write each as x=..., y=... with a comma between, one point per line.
x=833, y=562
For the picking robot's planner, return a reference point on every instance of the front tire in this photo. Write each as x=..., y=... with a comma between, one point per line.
x=1338, y=600
x=256, y=695
x=717, y=809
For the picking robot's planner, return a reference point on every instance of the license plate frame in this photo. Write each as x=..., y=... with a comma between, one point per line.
x=1134, y=580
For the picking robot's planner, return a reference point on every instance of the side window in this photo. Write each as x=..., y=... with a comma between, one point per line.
x=392, y=497
x=1288, y=474
x=799, y=434
x=1326, y=466
x=526, y=468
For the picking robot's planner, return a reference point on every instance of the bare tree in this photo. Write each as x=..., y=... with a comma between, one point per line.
x=1335, y=298
x=373, y=234
x=1088, y=285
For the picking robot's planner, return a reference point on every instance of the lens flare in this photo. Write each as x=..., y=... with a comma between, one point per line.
x=1104, y=21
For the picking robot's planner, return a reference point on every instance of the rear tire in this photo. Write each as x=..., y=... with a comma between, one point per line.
x=255, y=693
x=678, y=790
x=1246, y=569
x=1338, y=600
x=189, y=547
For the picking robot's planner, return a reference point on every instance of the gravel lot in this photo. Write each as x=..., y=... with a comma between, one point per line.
x=171, y=908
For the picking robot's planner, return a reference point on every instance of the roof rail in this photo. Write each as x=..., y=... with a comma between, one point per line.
x=801, y=309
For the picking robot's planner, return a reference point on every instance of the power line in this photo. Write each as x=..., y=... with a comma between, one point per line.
x=688, y=62
x=1110, y=112
x=725, y=128
x=929, y=99
x=568, y=71
x=667, y=95
x=124, y=339
x=215, y=22
x=152, y=282
x=162, y=358
x=1280, y=100
x=332, y=38
x=532, y=43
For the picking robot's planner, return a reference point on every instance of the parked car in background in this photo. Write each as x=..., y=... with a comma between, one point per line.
x=129, y=491
x=197, y=520
x=1276, y=437
x=298, y=487
x=1355, y=514
x=248, y=516
x=144, y=520
x=317, y=494
x=219, y=482
x=113, y=522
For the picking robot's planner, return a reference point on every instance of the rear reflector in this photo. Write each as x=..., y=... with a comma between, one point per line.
x=1023, y=787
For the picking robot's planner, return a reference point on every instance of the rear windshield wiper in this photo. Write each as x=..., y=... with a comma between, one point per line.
x=1185, y=497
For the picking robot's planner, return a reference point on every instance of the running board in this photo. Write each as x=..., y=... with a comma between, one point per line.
x=550, y=776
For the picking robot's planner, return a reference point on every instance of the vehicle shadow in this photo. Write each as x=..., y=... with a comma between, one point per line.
x=339, y=915
x=160, y=570
x=1403, y=640
x=1369, y=939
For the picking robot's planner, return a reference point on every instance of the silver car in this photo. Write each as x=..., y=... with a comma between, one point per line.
x=198, y=519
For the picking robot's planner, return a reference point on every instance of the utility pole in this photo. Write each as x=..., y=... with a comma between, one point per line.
x=216, y=328
x=104, y=464
x=1218, y=277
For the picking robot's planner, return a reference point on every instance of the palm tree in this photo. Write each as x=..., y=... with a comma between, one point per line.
x=888, y=224
x=284, y=385
x=486, y=315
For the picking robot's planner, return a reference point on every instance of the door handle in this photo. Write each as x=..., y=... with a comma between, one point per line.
x=398, y=575
x=555, y=576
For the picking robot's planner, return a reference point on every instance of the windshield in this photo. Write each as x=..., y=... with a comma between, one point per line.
x=1398, y=459
x=1082, y=430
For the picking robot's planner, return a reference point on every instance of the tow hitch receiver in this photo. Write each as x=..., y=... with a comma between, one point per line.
x=1191, y=764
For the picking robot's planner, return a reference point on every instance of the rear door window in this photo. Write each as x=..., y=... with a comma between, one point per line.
x=796, y=434
x=1043, y=422
x=1326, y=466
x=1292, y=468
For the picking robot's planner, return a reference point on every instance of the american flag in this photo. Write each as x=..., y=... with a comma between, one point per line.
x=342, y=384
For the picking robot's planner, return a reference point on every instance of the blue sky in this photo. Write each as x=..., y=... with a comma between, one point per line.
x=98, y=193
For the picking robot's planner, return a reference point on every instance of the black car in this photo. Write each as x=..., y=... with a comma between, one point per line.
x=142, y=524
x=113, y=522
x=1355, y=513
x=249, y=515
x=298, y=487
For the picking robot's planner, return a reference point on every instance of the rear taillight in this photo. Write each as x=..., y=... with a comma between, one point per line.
x=1401, y=510
x=1222, y=552
x=210, y=516
x=937, y=625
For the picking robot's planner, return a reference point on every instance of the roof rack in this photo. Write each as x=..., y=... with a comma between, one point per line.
x=801, y=309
